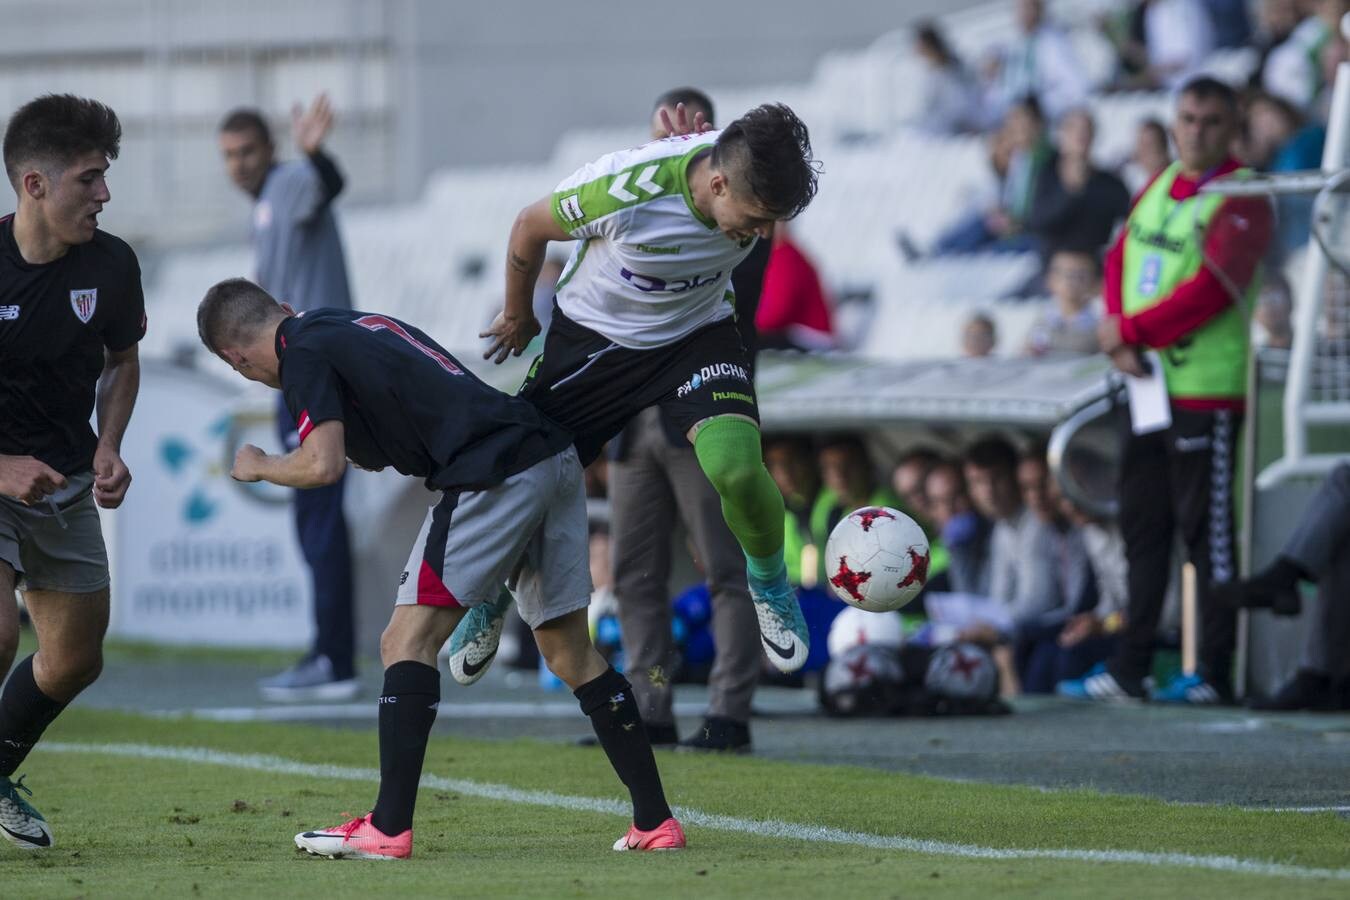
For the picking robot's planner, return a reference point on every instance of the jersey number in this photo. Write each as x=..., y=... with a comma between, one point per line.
x=380, y=323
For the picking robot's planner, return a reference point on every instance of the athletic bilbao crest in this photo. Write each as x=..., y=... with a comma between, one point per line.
x=83, y=302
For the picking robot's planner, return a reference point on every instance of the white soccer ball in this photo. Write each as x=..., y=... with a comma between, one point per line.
x=877, y=559
x=854, y=627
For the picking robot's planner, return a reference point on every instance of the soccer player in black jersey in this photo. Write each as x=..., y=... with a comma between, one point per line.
x=379, y=392
x=71, y=314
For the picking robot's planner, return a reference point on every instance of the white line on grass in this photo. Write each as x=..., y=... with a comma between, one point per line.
x=763, y=828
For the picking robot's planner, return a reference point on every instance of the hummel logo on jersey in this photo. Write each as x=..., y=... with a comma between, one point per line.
x=83, y=302
x=8, y=313
x=649, y=248
x=570, y=206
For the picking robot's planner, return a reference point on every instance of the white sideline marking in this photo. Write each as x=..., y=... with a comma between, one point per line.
x=763, y=828
x=318, y=712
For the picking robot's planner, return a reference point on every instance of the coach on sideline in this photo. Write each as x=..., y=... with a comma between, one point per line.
x=298, y=258
x=1180, y=280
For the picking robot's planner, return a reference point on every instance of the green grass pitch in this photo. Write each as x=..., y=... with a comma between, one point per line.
x=130, y=827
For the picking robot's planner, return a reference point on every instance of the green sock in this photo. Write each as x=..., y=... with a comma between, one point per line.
x=766, y=569
x=728, y=451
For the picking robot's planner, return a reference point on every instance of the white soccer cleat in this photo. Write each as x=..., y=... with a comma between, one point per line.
x=782, y=630
x=473, y=646
x=19, y=822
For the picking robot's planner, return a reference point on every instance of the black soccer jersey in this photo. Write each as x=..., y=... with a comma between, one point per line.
x=405, y=402
x=56, y=319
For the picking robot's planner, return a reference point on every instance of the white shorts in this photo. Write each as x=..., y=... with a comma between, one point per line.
x=472, y=542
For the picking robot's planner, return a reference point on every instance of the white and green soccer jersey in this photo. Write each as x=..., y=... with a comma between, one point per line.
x=649, y=268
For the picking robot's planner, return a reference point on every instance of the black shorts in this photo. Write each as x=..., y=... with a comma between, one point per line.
x=591, y=386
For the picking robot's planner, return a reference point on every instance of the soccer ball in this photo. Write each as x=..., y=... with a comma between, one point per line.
x=877, y=559
x=854, y=628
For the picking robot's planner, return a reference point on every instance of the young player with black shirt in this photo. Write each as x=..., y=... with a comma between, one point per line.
x=71, y=314
x=378, y=391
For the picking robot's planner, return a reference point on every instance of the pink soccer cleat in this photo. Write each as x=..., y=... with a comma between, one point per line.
x=666, y=836
x=359, y=839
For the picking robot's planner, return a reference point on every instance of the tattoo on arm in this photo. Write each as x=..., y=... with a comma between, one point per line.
x=519, y=263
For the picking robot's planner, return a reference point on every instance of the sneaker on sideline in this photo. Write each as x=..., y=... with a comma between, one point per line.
x=719, y=735
x=310, y=679
x=1190, y=690
x=1100, y=686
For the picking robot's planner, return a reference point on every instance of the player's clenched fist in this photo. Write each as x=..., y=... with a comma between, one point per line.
x=248, y=463
x=28, y=480
x=111, y=478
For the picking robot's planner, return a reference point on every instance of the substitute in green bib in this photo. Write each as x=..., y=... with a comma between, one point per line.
x=1180, y=280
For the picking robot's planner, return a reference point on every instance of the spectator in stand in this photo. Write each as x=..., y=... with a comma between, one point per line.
x=964, y=532
x=1040, y=569
x=1040, y=62
x=990, y=470
x=1279, y=139
x=1074, y=201
x=1317, y=551
x=978, y=336
x=1232, y=24
x=1163, y=291
x=1179, y=35
x=1274, y=313
x=1070, y=326
x=790, y=460
x=1149, y=157
x=1275, y=21
x=847, y=472
x=1090, y=637
x=1001, y=227
x=1297, y=68
x=908, y=477
x=793, y=313
x=950, y=96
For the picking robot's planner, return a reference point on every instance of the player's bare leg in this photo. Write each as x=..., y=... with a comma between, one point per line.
x=70, y=629
x=606, y=698
x=408, y=702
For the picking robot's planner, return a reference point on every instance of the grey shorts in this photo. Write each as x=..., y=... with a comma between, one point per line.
x=56, y=545
x=472, y=542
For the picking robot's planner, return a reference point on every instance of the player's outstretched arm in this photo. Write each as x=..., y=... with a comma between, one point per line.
x=117, y=389
x=516, y=325
x=320, y=460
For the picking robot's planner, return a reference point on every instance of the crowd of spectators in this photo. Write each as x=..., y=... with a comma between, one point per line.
x=1030, y=98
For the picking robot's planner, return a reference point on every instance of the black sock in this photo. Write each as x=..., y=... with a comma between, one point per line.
x=608, y=700
x=412, y=691
x=25, y=712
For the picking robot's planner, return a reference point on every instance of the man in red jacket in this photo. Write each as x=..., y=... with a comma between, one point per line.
x=1180, y=280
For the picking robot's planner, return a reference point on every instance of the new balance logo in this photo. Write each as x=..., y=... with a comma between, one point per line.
x=8, y=313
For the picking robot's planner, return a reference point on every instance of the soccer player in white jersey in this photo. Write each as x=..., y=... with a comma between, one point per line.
x=644, y=316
